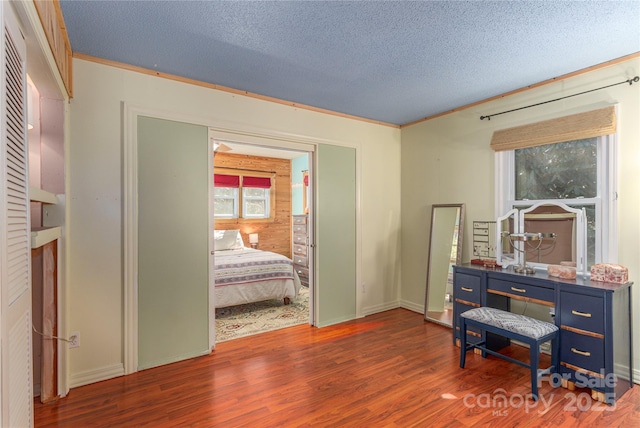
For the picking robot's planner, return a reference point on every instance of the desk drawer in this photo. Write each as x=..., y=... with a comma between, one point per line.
x=467, y=287
x=582, y=351
x=582, y=312
x=521, y=290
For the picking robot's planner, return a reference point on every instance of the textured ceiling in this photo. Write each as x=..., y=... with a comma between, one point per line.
x=391, y=61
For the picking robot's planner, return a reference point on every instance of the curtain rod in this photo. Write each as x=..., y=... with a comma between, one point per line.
x=629, y=81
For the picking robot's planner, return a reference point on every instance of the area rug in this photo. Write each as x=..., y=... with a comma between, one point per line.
x=254, y=318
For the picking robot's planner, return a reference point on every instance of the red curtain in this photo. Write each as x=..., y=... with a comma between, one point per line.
x=222, y=180
x=256, y=182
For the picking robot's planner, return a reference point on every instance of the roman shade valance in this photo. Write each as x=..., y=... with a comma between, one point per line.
x=256, y=182
x=223, y=180
x=594, y=123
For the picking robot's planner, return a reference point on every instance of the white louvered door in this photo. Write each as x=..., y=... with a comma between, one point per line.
x=15, y=267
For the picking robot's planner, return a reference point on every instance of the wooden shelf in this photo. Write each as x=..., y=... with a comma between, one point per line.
x=38, y=195
x=43, y=235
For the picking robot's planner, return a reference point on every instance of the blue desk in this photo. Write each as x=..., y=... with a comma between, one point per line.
x=594, y=319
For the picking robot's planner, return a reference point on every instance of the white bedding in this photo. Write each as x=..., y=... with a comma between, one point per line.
x=247, y=275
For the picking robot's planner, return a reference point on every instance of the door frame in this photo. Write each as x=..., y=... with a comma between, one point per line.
x=310, y=151
x=221, y=130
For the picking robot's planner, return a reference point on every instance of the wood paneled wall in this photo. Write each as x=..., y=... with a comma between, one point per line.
x=273, y=234
x=50, y=13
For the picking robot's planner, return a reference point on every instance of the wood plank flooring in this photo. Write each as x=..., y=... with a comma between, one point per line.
x=386, y=370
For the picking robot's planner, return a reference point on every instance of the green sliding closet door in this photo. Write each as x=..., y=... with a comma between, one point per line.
x=173, y=256
x=335, y=274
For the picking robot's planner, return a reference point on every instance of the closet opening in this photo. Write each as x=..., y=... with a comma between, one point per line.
x=45, y=137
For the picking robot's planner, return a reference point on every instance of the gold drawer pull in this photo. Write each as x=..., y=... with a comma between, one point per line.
x=579, y=352
x=519, y=290
x=581, y=314
x=470, y=290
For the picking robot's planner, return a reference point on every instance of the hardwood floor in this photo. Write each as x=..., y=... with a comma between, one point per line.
x=386, y=370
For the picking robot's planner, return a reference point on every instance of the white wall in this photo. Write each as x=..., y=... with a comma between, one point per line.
x=95, y=199
x=448, y=160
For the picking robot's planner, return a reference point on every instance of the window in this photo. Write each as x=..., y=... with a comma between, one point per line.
x=225, y=195
x=577, y=173
x=225, y=202
x=256, y=193
x=569, y=160
x=251, y=194
x=565, y=172
x=255, y=203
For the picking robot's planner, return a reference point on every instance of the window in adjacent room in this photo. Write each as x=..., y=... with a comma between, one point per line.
x=242, y=197
x=226, y=202
x=256, y=195
x=225, y=193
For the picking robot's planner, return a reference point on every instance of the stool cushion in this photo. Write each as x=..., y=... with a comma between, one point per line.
x=509, y=321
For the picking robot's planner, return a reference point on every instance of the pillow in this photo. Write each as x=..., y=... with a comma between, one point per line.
x=227, y=240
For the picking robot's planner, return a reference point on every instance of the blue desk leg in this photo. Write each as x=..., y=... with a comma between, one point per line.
x=555, y=354
x=463, y=341
x=534, y=355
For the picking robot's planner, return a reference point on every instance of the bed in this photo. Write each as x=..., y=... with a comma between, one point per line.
x=246, y=275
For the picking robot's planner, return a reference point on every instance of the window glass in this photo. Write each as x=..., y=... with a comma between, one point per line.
x=255, y=202
x=225, y=202
x=590, y=211
x=557, y=171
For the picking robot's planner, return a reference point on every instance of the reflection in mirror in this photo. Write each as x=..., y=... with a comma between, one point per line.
x=563, y=233
x=445, y=250
x=566, y=226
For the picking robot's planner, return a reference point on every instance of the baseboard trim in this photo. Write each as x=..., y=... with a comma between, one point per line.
x=334, y=321
x=370, y=310
x=412, y=306
x=92, y=376
x=173, y=359
x=404, y=304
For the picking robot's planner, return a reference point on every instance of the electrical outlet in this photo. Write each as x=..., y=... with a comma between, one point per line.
x=74, y=340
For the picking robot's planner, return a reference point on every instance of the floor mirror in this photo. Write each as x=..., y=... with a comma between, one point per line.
x=445, y=250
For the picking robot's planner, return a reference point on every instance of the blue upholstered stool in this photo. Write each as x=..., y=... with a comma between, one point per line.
x=513, y=326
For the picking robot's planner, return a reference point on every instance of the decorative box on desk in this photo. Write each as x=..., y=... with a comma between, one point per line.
x=594, y=320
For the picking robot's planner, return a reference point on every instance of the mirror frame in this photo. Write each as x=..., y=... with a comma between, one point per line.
x=430, y=266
